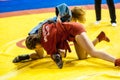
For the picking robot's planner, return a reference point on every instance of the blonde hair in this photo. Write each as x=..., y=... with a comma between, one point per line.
x=78, y=14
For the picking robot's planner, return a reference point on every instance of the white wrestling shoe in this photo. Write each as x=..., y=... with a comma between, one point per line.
x=97, y=22
x=114, y=24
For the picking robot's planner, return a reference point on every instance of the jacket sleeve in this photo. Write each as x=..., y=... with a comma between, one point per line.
x=35, y=29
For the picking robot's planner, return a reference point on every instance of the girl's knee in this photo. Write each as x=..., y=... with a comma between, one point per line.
x=35, y=56
x=93, y=53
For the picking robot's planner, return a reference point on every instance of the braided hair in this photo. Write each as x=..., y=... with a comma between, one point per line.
x=32, y=40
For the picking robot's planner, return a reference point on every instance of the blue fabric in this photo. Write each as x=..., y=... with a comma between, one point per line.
x=62, y=10
x=17, y=5
x=35, y=29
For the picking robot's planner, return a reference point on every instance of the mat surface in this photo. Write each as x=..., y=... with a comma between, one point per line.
x=14, y=29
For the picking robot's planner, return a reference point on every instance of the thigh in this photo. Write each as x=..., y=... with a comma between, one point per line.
x=83, y=41
x=81, y=53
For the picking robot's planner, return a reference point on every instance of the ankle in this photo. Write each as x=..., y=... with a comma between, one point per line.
x=101, y=36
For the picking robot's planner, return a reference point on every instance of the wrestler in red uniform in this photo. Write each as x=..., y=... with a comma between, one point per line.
x=57, y=35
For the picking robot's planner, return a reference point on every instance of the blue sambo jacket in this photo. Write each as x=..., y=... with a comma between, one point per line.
x=63, y=10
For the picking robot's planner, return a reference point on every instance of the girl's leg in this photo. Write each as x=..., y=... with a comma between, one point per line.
x=38, y=55
x=81, y=53
x=83, y=41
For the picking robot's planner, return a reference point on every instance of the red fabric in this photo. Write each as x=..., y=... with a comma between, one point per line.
x=56, y=36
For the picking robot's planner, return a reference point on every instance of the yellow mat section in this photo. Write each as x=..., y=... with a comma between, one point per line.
x=13, y=30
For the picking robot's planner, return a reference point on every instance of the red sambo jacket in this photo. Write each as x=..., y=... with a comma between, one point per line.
x=56, y=35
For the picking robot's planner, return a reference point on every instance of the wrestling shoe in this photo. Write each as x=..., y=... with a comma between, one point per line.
x=117, y=62
x=102, y=36
x=97, y=22
x=114, y=24
x=20, y=58
x=58, y=60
